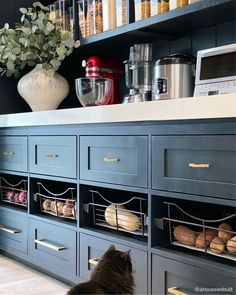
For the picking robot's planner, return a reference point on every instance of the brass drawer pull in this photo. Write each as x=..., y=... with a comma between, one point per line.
x=194, y=165
x=50, y=246
x=51, y=155
x=111, y=160
x=8, y=154
x=175, y=291
x=9, y=230
x=93, y=261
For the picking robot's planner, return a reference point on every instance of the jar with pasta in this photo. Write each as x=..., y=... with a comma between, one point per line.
x=109, y=14
x=121, y=13
x=71, y=15
x=177, y=3
x=163, y=6
x=95, y=17
x=82, y=9
x=142, y=9
x=52, y=12
x=62, y=14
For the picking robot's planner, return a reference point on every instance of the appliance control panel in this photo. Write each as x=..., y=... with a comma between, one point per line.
x=215, y=88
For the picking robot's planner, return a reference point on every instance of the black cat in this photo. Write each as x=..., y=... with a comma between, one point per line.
x=112, y=275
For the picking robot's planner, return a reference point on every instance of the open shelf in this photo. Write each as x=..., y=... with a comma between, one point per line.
x=169, y=25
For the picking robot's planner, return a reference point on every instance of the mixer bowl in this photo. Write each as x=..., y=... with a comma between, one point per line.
x=93, y=91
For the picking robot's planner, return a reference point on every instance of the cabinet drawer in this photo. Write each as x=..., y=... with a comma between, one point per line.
x=13, y=230
x=203, y=165
x=53, y=246
x=114, y=159
x=13, y=153
x=92, y=247
x=53, y=155
x=188, y=279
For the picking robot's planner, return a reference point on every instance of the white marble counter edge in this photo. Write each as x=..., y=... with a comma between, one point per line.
x=209, y=107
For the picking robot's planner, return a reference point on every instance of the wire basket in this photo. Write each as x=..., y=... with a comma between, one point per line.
x=117, y=216
x=62, y=205
x=215, y=236
x=15, y=194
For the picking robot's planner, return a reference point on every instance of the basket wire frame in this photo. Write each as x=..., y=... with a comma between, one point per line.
x=178, y=216
x=100, y=203
x=56, y=197
x=5, y=186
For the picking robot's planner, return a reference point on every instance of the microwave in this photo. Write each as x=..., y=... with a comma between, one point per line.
x=216, y=71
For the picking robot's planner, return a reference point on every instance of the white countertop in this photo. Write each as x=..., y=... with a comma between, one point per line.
x=208, y=107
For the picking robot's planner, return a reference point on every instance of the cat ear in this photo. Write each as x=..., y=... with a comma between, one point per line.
x=126, y=255
x=111, y=248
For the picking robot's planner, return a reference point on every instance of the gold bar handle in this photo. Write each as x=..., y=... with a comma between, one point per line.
x=175, y=291
x=9, y=230
x=8, y=154
x=93, y=261
x=51, y=155
x=194, y=165
x=111, y=160
x=48, y=245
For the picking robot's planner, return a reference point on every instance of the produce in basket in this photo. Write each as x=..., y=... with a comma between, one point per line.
x=47, y=205
x=231, y=245
x=60, y=206
x=204, y=239
x=68, y=210
x=22, y=197
x=125, y=219
x=16, y=198
x=217, y=246
x=225, y=236
x=10, y=196
x=53, y=206
x=185, y=235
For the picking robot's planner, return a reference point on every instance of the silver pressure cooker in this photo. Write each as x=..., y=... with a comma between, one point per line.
x=173, y=77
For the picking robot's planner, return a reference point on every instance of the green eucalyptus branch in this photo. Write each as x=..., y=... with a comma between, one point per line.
x=35, y=40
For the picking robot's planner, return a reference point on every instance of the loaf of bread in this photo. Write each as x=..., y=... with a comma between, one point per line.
x=185, y=235
x=231, y=245
x=217, y=245
x=116, y=215
x=225, y=236
x=204, y=239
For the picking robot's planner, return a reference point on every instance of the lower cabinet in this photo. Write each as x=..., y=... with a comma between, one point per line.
x=170, y=276
x=54, y=247
x=91, y=248
x=13, y=230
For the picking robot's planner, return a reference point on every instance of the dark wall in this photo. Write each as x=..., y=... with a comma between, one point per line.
x=11, y=102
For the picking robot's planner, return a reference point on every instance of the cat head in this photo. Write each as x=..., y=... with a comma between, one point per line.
x=118, y=261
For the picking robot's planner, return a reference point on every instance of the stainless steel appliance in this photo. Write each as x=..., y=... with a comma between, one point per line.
x=216, y=71
x=173, y=77
x=138, y=73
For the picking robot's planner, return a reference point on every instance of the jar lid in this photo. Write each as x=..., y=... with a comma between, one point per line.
x=176, y=59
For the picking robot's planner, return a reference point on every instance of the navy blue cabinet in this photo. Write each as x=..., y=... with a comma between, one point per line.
x=53, y=155
x=54, y=247
x=91, y=248
x=201, y=165
x=13, y=230
x=13, y=153
x=114, y=159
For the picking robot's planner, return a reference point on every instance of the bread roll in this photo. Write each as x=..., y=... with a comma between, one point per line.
x=53, y=206
x=60, y=206
x=68, y=210
x=185, y=235
x=47, y=205
x=225, y=236
x=231, y=245
x=217, y=246
x=204, y=239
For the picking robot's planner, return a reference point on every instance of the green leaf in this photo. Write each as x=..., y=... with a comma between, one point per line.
x=50, y=27
x=6, y=26
x=77, y=43
x=23, y=10
x=10, y=65
x=22, y=18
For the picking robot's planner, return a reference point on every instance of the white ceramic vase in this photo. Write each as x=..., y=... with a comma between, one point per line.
x=41, y=91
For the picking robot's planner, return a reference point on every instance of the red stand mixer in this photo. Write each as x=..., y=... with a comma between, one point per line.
x=101, y=69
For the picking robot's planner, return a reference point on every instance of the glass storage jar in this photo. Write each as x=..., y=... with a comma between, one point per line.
x=71, y=15
x=177, y=3
x=62, y=13
x=52, y=12
x=121, y=13
x=95, y=17
x=109, y=14
x=142, y=9
x=163, y=6
x=83, y=16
